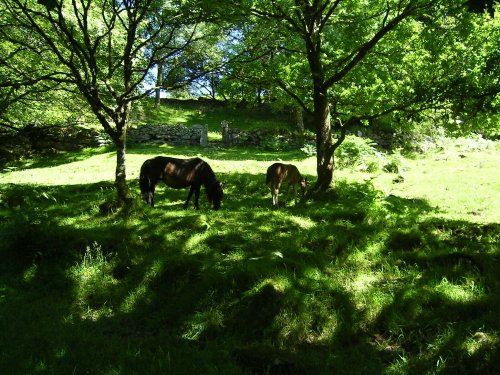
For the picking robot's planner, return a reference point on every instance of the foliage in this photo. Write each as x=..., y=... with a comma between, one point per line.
x=309, y=149
x=276, y=142
x=421, y=137
x=355, y=151
x=363, y=154
x=394, y=162
x=465, y=96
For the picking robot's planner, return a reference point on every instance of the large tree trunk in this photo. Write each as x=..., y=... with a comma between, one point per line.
x=122, y=189
x=117, y=130
x=324, y=156
x=119, y=136
x=299, y=119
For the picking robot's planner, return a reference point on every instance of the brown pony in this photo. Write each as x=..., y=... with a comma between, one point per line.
x=179, y=174
x=279, y=173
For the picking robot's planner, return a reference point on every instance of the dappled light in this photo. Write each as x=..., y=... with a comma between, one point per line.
x=147, y=153
x=371, y=279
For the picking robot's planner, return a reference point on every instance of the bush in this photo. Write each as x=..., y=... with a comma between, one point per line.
x=275, y=142
x=419, y=137
x=475, y=142
x=309, y=149
x=356, y=151
x=393, y=162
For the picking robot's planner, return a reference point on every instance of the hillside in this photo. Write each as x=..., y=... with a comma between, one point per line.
x=192, y=112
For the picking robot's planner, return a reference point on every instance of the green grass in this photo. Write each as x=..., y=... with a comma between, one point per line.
x=186, y=114
x=375, y=276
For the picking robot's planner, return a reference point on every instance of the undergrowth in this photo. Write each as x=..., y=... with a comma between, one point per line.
x=352, y=281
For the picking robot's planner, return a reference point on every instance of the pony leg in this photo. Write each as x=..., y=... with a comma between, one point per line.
x=275, y=189
x=191, y=190
x=287, y=193
x=275, y=193
x=197, y=196
x=151, y=197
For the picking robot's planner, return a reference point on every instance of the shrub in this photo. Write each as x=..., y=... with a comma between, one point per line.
x=393, y=162
x=309, y=149
x=356, y=151
x=275, y=142
x=419, y=137
x=475, y=142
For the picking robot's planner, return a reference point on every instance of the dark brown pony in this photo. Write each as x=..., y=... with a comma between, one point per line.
x=279, y=173
x=179, y=174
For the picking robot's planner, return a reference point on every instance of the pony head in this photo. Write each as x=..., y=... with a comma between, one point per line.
x=215, y=193
x=145, y=184
x=147, y=191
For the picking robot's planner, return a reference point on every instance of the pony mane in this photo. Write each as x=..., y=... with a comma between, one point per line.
x=211, y=179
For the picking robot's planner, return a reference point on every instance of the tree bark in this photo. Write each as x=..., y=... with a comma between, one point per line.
x=122, y=188
x=299, y=119
x=324, y=156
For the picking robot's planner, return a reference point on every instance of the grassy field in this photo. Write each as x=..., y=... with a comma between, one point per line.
x=189, y=114
x=387, y=273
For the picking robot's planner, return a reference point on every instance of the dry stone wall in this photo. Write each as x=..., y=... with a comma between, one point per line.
x=258, y=137
x=172, y=134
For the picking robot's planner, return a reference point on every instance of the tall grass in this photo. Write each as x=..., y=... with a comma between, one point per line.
x=375, y=276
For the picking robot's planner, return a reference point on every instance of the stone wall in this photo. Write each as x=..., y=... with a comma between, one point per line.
x=258, y=137
x=171, y=134
x=34, y=139
x=382, y=139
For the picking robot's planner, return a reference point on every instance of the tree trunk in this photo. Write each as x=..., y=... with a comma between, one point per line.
x=159, y=83
x=122, y=189
x=299, y=119
x=324, y=156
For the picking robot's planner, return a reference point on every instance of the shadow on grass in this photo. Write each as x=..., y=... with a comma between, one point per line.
x=66, y=157
x=247, y=289
x=449, y=301
x=216, y=152
x=211, y=152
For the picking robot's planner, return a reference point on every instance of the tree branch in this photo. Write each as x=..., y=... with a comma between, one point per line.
x=362, y=51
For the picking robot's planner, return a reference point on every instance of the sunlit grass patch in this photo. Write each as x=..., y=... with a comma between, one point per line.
x=30, y=273
x=466, y=290
x=189, y=114
x=141, y=293
x=302, y=222
x=202, y=322
x=93, y=283
x=480, y=340
x=364, y=282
